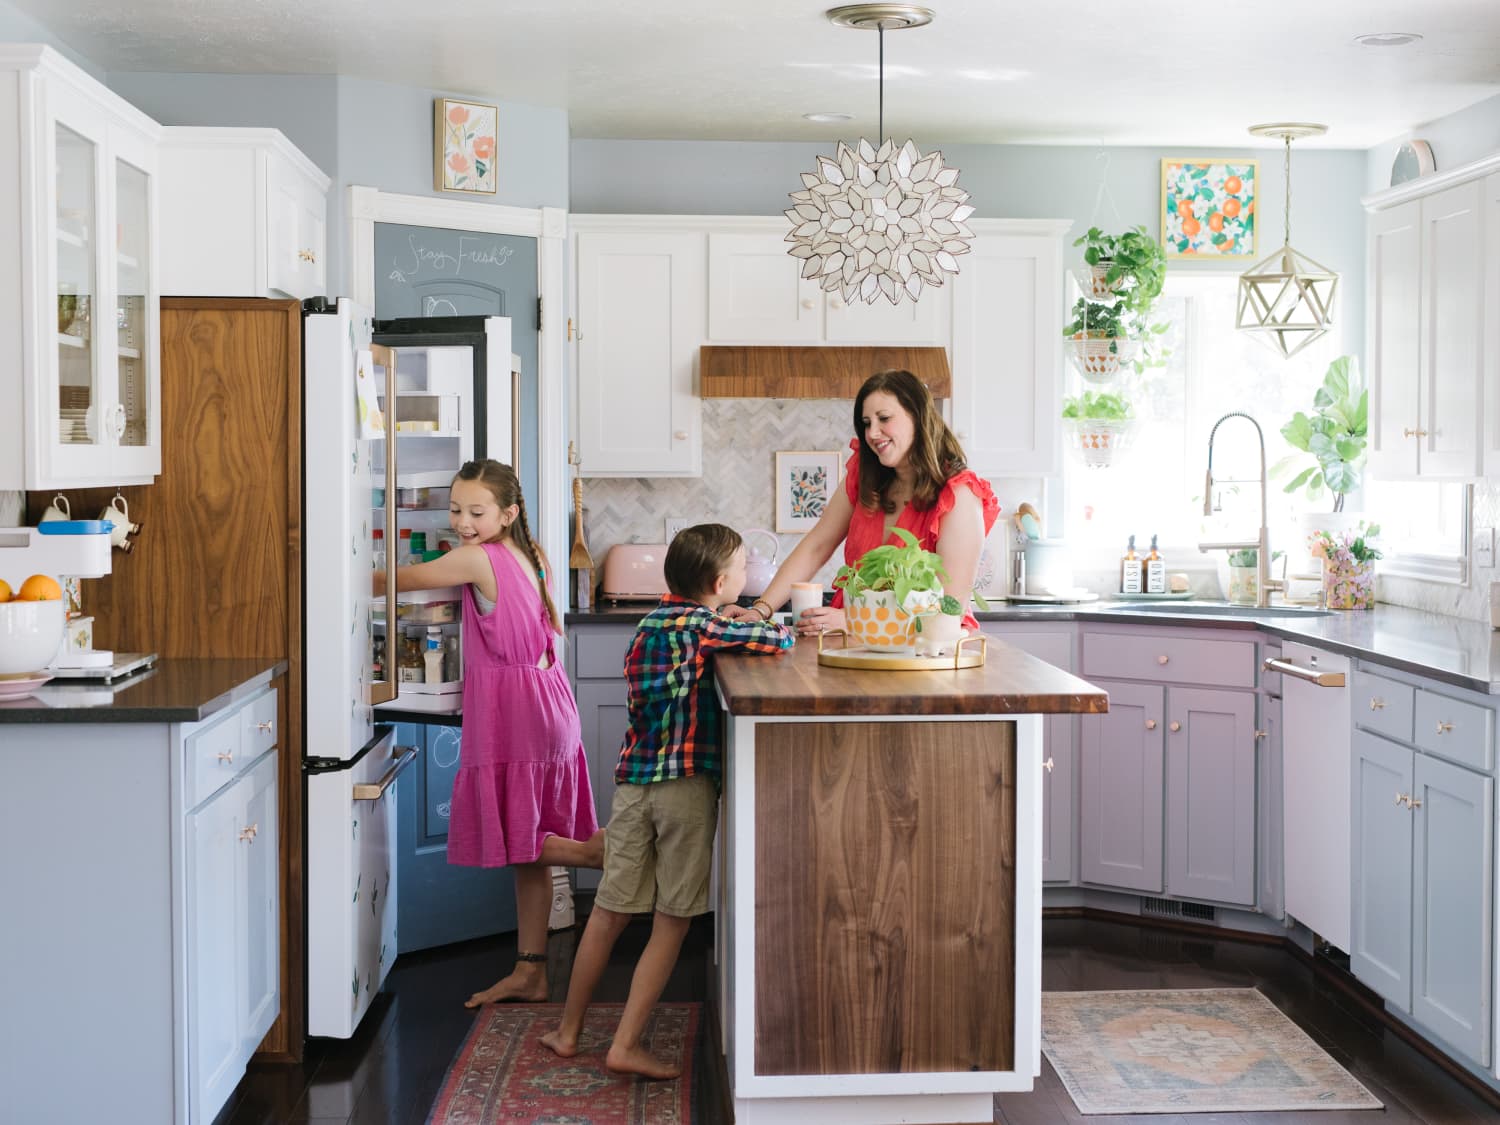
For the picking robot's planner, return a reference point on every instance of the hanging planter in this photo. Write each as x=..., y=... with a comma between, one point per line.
x=1129, y=265
x=1100, y=426
x=1096, y=285
x=1098, y=358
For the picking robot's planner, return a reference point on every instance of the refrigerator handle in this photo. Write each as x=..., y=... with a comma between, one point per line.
x=515, y=419
x=385, y=691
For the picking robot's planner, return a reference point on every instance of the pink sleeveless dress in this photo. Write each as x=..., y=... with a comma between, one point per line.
x=522, y=774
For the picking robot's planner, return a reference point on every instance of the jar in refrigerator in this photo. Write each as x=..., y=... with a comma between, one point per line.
x=418, y=546
x=377, y=549
x=413, y=670
x=403, y=546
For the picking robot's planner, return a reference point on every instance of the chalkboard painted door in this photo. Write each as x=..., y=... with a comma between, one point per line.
x=437, y=272
x=437, y=903
x=434, y=271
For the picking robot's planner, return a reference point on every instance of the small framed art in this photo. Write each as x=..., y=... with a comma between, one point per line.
x=463, y=146
x=1208, y=208
x=805, y=480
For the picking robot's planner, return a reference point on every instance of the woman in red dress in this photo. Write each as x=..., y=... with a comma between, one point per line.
x=907, y=471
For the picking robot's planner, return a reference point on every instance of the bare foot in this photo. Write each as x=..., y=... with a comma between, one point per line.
x=637, y=1060
x=564, y=1046
x=526, y=984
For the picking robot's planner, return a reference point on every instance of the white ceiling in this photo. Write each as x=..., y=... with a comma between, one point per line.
x=1159, y=72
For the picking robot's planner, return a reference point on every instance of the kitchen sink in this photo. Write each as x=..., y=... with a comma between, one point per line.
x=1220, y=609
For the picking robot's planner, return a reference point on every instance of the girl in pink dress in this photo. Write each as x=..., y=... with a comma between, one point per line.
x=521, y=797
x=907, y=471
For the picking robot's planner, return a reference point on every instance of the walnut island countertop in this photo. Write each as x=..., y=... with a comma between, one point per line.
x=1009, y=682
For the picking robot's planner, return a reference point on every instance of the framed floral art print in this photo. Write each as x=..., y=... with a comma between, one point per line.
x=463, y=146
x=805, y=481
x=1208, y=208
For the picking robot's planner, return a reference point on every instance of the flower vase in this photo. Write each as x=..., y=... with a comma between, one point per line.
x=1349, y=585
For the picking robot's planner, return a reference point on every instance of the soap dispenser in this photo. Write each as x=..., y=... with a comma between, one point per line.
x=1155, y=568
x=1130, y=570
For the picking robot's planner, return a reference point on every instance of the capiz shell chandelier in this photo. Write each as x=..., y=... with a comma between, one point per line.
x=1287, y=298
x=883, y=221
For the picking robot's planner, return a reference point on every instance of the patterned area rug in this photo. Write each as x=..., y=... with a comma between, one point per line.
x=504, y=1075
x=1212, y=1050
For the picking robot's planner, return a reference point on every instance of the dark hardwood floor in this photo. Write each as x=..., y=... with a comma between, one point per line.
x=390, y=1072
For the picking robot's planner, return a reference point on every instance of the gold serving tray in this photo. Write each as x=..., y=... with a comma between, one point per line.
x=876, y=661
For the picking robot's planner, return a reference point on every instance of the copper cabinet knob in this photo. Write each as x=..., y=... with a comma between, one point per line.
x=1162, y=659
x=1047, y=765
x=1444, y=728
x=1174, y=726
x=226, y=756
x=1150, y=724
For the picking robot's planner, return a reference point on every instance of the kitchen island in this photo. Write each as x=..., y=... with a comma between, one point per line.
x=879, y=893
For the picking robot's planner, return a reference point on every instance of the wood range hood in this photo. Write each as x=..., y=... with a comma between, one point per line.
x=731, y=371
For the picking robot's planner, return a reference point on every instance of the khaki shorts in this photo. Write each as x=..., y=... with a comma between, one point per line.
x=658, y=847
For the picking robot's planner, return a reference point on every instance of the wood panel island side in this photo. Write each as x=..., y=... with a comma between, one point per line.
x=878, y=918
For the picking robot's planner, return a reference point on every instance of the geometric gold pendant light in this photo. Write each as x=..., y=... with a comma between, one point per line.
x=1287, y=298
x=879, y=220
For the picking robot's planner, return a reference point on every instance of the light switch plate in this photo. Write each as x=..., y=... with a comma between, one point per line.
x=1484, y=547
x=674, y=525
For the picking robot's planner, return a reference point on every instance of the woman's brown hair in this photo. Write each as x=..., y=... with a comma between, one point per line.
x=935, y=453
x=505, y=487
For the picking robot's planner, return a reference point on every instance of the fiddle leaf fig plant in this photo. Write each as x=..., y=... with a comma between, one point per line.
x=1335, y=433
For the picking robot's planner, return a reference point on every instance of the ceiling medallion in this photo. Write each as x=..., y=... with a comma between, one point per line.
x=879, y=221
x=1287, y=298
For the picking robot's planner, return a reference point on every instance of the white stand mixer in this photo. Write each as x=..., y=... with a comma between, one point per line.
x=25, y=550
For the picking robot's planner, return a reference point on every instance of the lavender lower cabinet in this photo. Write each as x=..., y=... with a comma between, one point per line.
x=1211, y=795
x=597, y=669
x=1167, y=792
x=1423, y=893
x=1121, y=764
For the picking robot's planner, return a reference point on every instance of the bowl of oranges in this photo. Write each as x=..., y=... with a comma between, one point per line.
x=31, y=626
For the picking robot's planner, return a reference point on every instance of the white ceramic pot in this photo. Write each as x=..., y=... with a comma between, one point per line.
x=936, y=634
x=30, y=634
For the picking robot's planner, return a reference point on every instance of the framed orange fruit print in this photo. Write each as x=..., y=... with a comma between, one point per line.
x=1208, y=208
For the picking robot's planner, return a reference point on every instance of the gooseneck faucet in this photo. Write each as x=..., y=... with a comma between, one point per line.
x=1261, y=545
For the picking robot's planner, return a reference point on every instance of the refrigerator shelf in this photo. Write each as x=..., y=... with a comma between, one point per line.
x=437, y=478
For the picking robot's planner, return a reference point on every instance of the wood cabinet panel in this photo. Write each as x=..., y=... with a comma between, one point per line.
x=878, y=906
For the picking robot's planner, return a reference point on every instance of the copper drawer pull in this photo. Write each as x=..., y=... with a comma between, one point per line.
x=1376, y=703
x=1297, y=672
x=225, y=756
x=264, y=726
x=1444, y=728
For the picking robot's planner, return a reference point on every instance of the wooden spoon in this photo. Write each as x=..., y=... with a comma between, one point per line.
x=578, y=557
x=1025, y=509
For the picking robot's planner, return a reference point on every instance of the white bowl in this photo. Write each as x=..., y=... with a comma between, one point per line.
x=30, y=635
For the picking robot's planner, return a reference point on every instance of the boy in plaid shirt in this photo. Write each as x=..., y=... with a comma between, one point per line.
x=658, y=845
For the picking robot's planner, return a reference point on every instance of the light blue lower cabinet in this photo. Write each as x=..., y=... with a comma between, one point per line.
x=1423, y=894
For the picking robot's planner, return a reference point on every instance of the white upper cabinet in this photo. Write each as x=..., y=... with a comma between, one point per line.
x=78, y=307
x=756, y=295
x=640, y=322
x=1426, y=325
x=1492, y=325
x=262, y=229
x=1007, y=347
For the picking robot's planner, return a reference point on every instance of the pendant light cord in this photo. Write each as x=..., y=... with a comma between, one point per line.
x=882, y=83
x=1286, y=216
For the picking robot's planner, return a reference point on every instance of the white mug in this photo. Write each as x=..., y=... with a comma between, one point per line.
x=118, y=513
x=57, y=510
x=805, y=596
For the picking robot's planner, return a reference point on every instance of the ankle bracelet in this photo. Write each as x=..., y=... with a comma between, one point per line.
x=532, y=958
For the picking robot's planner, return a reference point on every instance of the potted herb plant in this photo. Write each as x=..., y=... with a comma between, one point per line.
x=1100, y=425
x=1243, y=586
x=893, y=595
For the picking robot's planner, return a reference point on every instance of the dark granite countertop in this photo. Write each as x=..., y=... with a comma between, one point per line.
x=1454, y=650
x=1449, y=649
x=180, y=690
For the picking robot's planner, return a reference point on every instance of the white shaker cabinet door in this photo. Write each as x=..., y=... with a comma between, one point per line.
x=215, y=1061
x=260, y=937
x=1452, y=333
x=756, y=292
x=1007, y=351
x=641, y=319
x=1393, y=316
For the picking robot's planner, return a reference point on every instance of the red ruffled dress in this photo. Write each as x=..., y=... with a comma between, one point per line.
x=867, y=528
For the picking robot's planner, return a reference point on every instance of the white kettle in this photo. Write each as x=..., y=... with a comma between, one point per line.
x=760, y=568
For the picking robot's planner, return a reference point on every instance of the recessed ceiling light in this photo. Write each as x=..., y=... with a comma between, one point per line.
x=828, y=118
x=1387, y=39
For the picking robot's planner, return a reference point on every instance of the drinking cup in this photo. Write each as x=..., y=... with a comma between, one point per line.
x=805, y=596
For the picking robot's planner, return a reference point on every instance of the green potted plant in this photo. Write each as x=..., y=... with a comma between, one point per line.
x=1244, y=580
x=1334, y=434
x=1099, y=424
x=894, y=594
x=1130, y=266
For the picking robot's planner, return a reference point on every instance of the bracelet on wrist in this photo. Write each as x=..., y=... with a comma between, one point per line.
x=764, y=607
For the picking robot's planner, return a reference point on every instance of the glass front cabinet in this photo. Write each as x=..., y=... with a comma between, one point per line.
x=82, y=347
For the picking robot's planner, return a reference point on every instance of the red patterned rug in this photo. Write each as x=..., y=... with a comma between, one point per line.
x=503, y=1074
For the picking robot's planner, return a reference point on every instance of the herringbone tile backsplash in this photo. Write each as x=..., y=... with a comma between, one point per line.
x=740, y=440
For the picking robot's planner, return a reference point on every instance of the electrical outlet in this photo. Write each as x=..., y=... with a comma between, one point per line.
x=674, y=525
x=1484, y=547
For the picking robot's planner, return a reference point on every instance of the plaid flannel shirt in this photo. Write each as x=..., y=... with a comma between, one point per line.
x=675, y=726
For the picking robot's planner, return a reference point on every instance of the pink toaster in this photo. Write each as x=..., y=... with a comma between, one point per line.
x=633, y=572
